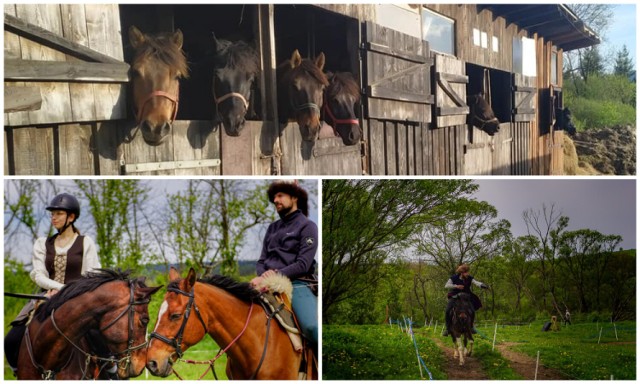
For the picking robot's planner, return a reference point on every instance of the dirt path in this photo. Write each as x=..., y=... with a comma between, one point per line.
x=525, y=365
x=471, y=370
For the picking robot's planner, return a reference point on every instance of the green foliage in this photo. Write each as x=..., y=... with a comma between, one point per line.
x=377, y=352
x=623, y=65
x=16, y=280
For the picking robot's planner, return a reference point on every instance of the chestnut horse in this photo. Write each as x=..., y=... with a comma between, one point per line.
x=301, y=84
x=236, y=65
x=157, y=66
x=339, y=98
x=106, y=301
x=225, y=309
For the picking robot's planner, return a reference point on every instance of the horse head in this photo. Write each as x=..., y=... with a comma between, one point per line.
x=339, y=99
x=236, y=65
x=125, y=331
x=176, y=330
x=301, y=85
x=156, y=69
x=481, y=115
x=564, y=121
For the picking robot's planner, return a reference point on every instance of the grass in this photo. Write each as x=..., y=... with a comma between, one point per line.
x=575, y=351
x=376, y=352
x=496, y=366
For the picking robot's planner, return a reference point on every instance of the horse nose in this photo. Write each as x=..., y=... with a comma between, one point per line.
x=152, y=366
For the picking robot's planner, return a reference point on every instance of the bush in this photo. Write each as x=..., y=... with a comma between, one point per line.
x=588, y=114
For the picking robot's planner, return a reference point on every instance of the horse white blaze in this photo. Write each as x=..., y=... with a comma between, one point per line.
x=460, y=350
x=163, y=308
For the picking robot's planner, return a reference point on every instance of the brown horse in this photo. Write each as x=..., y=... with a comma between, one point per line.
x=157, y=66
x=225, y=309
x=339, y=98
x=461, y=326
x=301, y=84
x=105, y=301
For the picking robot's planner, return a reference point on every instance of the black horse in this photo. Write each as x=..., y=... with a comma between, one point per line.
x=235, y=66
x=564, y=121
x=481, y=115
x=461, y=325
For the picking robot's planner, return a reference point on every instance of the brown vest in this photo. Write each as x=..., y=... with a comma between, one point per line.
x=74, y=259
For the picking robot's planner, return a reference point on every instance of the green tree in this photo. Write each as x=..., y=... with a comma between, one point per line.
x=367, y=222
x=519, y=269
x=623, y=65
x=591, y=63
x=114, y=206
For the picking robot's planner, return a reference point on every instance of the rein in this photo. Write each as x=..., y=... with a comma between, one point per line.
x=166, y=95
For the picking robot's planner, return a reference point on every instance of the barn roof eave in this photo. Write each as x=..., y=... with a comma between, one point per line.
x=561, y=25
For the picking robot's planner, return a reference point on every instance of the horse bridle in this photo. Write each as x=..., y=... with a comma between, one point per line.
x=130, y=309
x=335, y=121
x=230, y=95
x=176, y=341
x=174, y=98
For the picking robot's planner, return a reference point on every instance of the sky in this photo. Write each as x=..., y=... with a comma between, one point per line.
x=605, y=205
x=622, y=31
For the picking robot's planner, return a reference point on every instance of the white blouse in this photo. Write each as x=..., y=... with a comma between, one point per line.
x=39, y=274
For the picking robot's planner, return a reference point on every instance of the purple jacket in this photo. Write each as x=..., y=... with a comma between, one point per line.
x=290, y=246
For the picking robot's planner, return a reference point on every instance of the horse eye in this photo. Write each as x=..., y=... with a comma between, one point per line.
x=175, y=316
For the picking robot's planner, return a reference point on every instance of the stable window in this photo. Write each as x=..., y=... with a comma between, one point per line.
x=554, y=67
x=524, y=56
x=439, y=31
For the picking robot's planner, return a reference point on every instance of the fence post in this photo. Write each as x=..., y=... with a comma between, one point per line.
x=495, y=331
x=616, y=331
x=435, y=327
x=537, y=363
x=600, y=335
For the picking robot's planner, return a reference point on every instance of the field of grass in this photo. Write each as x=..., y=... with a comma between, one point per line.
x=376, y=352
x=381, y=352
x=575, y=351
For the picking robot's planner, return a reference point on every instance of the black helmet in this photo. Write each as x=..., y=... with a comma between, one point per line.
x=291, y=188
x=65, y=202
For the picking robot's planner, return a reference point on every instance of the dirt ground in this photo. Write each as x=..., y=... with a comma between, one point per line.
x=524, y=365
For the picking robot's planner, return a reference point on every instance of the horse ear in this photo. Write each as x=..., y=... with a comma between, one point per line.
x=190, y=279
x=135, y=37
x=148, y=291
x=173, y=274
x=215, y=41
x=296, y=59
x=320, y=60
x=177, y=38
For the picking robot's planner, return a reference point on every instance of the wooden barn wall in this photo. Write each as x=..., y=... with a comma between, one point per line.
x=521, y=159
x=404, y=149
x=96, y=26
x=102, y=148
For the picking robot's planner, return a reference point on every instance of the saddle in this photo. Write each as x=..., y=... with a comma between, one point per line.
x=276, y=292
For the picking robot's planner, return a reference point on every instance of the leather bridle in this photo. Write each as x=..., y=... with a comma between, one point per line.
x=335, y=121
x=176, y=341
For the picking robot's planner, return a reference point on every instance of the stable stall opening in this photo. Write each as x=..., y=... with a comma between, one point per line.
x=497, y=82
x=198, y=23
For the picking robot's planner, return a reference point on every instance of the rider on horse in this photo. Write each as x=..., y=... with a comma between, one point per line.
x=57, y=260
x=289, y=248
x=461, y=282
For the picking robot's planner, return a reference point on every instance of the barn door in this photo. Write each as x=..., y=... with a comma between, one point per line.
x=450, y=91
x=397, y=100
x=523, y=98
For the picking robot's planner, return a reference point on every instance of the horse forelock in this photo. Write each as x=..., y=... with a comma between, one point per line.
x=343, y=82
x=313, y=71
x=88, y=283
x=238, y=56
x=162, y=48
x=243, y=291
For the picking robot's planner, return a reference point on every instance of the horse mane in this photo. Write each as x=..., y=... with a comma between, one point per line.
x=342, y=82
x=243, y=291
x=161, y=47
x=307, y=66
x=237, y=55
x=87, y=283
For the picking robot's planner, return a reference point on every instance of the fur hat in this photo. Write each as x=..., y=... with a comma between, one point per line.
x=291, y=188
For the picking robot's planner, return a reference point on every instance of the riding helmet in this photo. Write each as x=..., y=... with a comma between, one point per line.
x=65, y=202
x=291, y=188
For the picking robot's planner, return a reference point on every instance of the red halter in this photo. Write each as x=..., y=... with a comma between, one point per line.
x=164, y=94
x=334, y=121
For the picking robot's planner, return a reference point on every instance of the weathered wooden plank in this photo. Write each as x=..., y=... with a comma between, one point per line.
x=524, y=98
x=37, y=70
x=53, y=40
x=195, y=141
x=411, y=149
x=236, y=152
x=376, y=147
x=138, y=151
x=109, y=137
x=449, y=94
x=75, y=152
x=22, y=99
x=33, y=151
x=391, y=164
x=401, y=148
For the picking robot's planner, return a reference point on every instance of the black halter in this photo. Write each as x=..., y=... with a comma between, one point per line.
x=176, y=341
x=120, y=357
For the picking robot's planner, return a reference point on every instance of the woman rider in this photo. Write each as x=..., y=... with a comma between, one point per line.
x=461, y=282
x=57, y=260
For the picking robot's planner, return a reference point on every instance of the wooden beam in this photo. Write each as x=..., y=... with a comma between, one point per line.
x=33, y=70
x=19, y=99
x=51, y=40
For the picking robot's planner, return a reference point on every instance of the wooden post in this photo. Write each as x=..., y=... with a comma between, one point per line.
x=615, y=330
x=495, y=332
x=600, y=335
x=435, y=327
x=537, y=362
